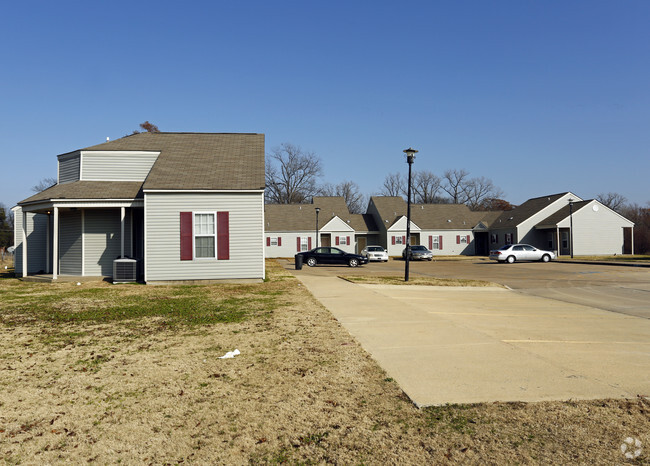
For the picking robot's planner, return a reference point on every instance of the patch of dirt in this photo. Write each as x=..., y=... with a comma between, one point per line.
x=301, y=391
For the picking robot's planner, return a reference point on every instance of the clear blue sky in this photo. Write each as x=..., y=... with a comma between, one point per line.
x=540, y=96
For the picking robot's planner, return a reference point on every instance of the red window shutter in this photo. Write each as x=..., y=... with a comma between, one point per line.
x=223, y=235
x=393, y=239
x=268, y=241
x=430, y=242
x=403, y=239
x=440, y=242
x=309, y=243
x=186, y=236
x=279, y=241
x=457, y=239
x=468, y=239
x=348, y=240
x=337, y=240
x=298, y=243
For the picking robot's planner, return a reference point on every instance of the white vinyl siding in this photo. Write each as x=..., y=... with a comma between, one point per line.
x=69, y=168
x=70, y=242
x=102, y=241
x=246, y=236
x=116, y=166
x=597, y=232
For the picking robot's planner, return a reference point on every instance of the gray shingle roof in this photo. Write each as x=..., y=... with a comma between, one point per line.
x=302, y=217
x=563, y=213
x=89, y=190
x=195, y=161
x=512, y=218
x=429, y=216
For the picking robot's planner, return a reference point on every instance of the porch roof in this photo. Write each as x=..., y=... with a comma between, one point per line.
x=88, y=190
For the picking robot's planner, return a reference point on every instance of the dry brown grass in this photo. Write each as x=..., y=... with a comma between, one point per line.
x=301, y=392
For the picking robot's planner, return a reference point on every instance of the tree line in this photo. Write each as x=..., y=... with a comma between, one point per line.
x=292, y=176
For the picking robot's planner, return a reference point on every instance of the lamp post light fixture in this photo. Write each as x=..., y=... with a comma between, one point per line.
x=571, y=201
x=317, y=211
x=410, y=157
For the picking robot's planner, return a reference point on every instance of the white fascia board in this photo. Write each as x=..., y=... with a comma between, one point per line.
x=192, y=191
x=335, y=224
x=400, y=225
x=130, y=153
x=90, y=203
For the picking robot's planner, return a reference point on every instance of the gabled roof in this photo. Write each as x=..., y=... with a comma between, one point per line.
x=302, y=217
x=198, y=161
x=89, y=190
x=519, y=214
x=563, y=213
x=428, y=216
x=187, y=161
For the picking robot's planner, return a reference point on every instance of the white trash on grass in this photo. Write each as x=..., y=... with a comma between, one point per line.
x=230, y=354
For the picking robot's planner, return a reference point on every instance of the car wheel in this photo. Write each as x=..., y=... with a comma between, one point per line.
x=546, y=258
x=311, y=261
x=353, y=262
x=511, y=259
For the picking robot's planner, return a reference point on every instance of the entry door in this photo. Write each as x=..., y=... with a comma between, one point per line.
x=326, y=239
x=361, y=243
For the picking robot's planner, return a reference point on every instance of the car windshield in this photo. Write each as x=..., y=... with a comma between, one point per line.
x=375, y=248
x=418, y=248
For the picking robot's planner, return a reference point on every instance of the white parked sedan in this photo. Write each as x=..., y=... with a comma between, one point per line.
x=375, y=253
x=511, y=253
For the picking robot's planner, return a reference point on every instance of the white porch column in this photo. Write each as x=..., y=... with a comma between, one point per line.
x=24, y=243
x=55, y=244
x=47, y=245
x=122, y=219
x=632, y=237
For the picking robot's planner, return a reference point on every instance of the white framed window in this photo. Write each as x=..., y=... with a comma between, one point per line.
x=435, y=243
x=205, y=235
x=304, y=243
x=493, y=238
x=274, y=240
x=342, y=241
x=463, y=239
x=398, y=240
x=565, y=240
x=508, y=238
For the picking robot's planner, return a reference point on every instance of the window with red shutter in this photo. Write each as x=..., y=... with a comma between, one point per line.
x=309, y=243
x=393, y=239
x=268, y=241
x=348, y=240
x=298, y=244
x=440, y=242
x=468, y=240
x=186, y=236
x=337, y=240
x=223, y=235
x=457, y=239
x=279, y=241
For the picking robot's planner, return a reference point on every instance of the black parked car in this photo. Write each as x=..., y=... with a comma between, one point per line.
x=329, y=255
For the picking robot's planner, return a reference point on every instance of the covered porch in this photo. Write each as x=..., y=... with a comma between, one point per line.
x=78, y=240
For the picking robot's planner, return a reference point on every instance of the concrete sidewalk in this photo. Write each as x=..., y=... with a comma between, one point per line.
x=467, y=345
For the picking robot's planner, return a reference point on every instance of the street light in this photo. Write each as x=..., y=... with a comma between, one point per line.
x=410, y=157
x=571, y=201
x=317, y=211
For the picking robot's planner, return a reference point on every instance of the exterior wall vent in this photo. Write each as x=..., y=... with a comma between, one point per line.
x=125, y=270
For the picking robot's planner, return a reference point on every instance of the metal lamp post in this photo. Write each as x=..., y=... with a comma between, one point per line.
x=410, y=157
x=317, y=211
x=571, y=200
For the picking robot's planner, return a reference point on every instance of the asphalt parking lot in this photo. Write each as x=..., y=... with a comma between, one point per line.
x=619, y=289
x=562, y=331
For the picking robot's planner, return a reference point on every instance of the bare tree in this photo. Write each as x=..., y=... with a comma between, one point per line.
x=291, y=175
x=477, y=190
x=495, y=204
x=44, y=184
x=455, y=183
x=349, y=190
x=6, y=227
x=394, y=185
x=426, y=187
x=148, y=127
x=641, y=217
x=614, y=201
